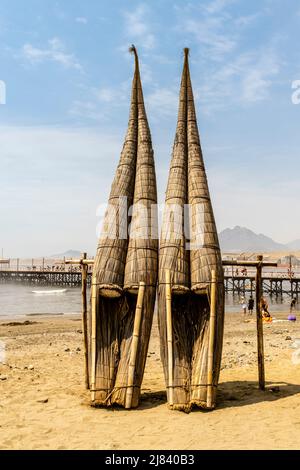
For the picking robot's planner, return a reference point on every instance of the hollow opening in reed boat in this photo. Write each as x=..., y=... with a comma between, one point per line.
x=113, y=339
x=180, y=290
x=133, y=290
x=110, y=291
x=190, y=315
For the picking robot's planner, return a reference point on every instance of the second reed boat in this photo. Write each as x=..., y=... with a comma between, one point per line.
x=191, y=289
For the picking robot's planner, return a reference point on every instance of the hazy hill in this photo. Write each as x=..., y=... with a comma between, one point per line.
x=237, y=239
x=67, y=254
x=243, y=239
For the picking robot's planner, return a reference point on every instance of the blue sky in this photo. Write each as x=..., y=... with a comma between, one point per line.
x=68, y=74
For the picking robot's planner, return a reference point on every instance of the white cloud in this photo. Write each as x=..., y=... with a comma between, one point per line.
x=99, y=102
x=245, y=80
x=229, y=74
x=81, y=19
x=113, y=95
x=55, y=52
x=256, y=86
x=87, y=110
x=247, y=19
x=208, y=27
x=162, y=59
x=162, y=102
x=214, y=28
x=257, y=72
x=146, y=73
x=208, y=33
x=137, y=28
x=107, y=95
x=216, y=6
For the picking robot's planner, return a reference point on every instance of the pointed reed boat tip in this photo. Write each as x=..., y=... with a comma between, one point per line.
x=133, y=50
x=186, y=51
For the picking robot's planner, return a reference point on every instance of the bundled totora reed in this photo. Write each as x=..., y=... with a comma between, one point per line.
x=191, y=290
x=125, y=270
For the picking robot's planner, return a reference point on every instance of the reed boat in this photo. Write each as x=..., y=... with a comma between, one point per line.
x=191, y=286
x=125, y=270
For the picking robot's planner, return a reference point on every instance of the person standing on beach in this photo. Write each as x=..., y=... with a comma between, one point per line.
x=293, y=305
x=250, y=305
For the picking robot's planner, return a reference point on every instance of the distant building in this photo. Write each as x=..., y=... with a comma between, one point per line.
x=289, y=260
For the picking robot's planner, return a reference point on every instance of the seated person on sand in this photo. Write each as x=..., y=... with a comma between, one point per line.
x=264, y=308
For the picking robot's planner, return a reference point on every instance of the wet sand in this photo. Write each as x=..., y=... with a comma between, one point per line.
x=43, y=403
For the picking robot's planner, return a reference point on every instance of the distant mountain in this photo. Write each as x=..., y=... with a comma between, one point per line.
x=67, y=254
x=243, y=239
x=237, y=239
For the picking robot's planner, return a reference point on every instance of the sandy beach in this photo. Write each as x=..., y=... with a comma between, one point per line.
x=43, y=403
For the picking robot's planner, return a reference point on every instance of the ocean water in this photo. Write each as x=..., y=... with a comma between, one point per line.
x=276, y=305
x=20, y=299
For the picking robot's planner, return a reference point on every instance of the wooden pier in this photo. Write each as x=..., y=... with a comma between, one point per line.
x=70, y=278
x=273, y=284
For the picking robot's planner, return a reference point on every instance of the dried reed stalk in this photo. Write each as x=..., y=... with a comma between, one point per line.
x=93, y=335
x=84, y=270
x=169, y=337
x=134, y=345
x=211, y=344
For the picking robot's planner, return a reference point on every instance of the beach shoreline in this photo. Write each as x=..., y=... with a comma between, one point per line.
x=44, y=405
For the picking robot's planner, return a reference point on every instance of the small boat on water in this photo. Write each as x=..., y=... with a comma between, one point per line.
x=191, y=288
x=125, y=270
x=49, y=292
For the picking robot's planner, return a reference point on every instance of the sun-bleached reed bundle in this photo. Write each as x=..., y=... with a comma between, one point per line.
x=190, y=252
x=125, y=268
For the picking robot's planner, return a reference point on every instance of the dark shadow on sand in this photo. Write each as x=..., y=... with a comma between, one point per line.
x=242, y=393
x=148, y=400
x=152, y=399
x=231, y=394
